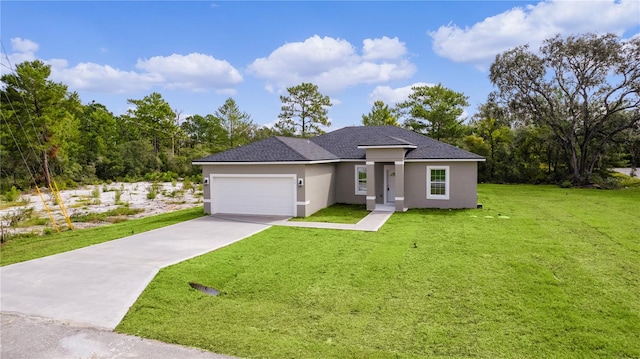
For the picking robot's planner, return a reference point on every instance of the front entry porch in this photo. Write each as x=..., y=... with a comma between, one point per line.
x=385, y=207
x=385, y=186
x=385, y=172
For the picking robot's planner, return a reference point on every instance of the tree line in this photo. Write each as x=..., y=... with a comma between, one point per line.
x=563, y=113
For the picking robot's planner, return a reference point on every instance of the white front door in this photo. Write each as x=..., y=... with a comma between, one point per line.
x=390, y=184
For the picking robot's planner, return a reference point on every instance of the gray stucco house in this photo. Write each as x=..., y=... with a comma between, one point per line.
x=381, y=166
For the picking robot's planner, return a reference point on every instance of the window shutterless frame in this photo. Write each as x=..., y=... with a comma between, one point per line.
x=438, y=182
x=361, y=180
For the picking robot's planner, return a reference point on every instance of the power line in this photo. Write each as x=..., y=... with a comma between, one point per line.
x=46, y=207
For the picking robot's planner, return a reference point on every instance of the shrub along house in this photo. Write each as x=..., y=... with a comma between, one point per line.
x=384, y=167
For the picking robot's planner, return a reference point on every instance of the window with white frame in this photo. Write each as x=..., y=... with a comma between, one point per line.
x=361, y=180
x=438, y=182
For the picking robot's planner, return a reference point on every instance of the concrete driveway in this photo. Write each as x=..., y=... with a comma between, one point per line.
x=39, y=338
x=95, y=286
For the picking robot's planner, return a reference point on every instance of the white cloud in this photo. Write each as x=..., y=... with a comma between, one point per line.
x=93, y=77
x=271, y=124
x=384, y=48
x=194, y=72
x=22, y=50
x=23, y=45
x=532, y=24
x=392, y=96
x=333, y=64
x=306, y=58
x=228, y=92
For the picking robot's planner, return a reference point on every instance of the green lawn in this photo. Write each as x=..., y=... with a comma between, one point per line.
x=539, y=272
x=19, y=250
x=558, y=278
x=337, y=213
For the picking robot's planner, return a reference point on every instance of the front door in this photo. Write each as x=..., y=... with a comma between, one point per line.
x=390, y=184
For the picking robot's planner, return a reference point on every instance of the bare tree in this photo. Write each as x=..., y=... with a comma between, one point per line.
x=585, y=88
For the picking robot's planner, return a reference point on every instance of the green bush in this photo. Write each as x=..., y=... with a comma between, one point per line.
x=36, y=221
x=168, y=176
x=130, y=179
x=18, y=216
x=187, y=184
x=566, y=184
x=630, y=182
x=624, y=181
x=12, y=195
x=66, y=183
x=614, y=180
x=152, y=176
x=104, y=216
x=153, y=190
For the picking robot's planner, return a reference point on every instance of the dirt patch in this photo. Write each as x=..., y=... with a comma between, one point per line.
x=98, y=205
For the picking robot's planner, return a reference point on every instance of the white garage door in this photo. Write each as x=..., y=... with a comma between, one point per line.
x=264, y=195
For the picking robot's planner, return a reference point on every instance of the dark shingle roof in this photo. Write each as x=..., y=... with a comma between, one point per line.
x=273, y=149
x=308, y=149
x=341, y=144
x=382, y=140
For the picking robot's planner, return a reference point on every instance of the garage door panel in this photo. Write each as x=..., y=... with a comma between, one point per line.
x=253, y=195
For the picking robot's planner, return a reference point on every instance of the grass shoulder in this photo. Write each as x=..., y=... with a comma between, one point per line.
x=23, y=249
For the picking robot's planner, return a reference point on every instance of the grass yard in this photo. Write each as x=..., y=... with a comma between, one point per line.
x=23, y=249
x=559, y=278
x=337, y=213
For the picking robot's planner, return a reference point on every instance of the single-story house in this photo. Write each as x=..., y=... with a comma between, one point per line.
x=380, y=166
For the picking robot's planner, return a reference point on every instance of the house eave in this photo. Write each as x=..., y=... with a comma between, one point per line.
x=416, y=160
x=445, y=160
x=387, y=146
x=219, y=163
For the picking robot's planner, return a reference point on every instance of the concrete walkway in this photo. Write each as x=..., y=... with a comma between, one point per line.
x=371, y=223
x=96, y=285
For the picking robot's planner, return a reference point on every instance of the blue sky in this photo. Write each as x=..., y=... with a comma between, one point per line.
x=198, y=53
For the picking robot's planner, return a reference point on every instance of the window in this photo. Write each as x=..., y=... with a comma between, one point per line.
x=437, y=182
x=361, y=180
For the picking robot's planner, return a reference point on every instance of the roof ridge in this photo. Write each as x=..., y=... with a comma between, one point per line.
x=401, y=140
x=321, y=146
x=308, y=141
x=279, y=139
